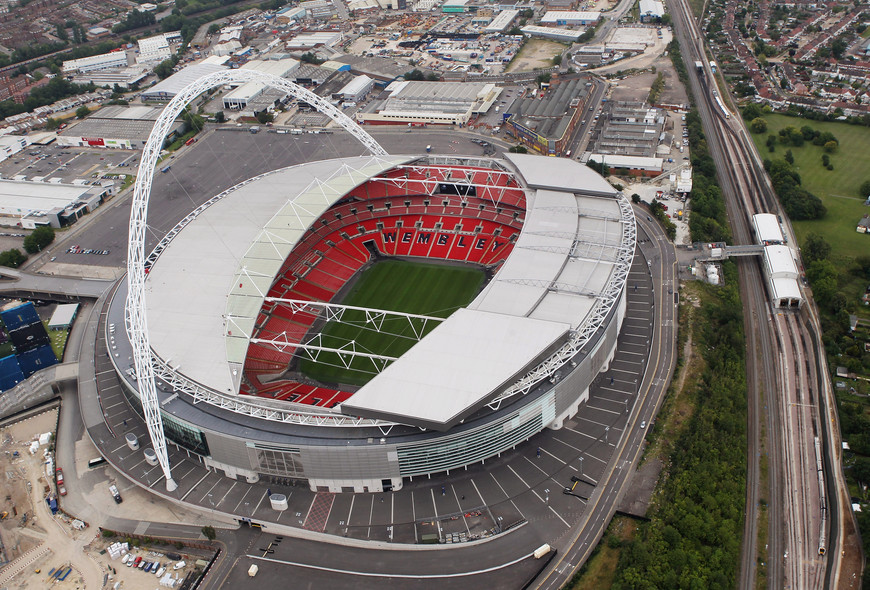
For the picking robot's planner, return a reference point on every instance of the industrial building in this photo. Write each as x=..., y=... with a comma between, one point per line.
x=438, y=103
x=94, y=63
x=154, y=50
x=501, y=22
x=241, y=97
x=318, y=9
x=554, y=33
x=453, y=6
x=32, y=204
x=630, y=129
x=115, y=127
x=563, y=18
x=545, y=124
x=125, y=78
x=165, y=90
x=11, y=145
x=357, y=89
x=314, y=39
x=651, y=10
x=634, y=165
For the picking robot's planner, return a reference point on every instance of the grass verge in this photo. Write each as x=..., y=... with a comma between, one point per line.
x=599, y=571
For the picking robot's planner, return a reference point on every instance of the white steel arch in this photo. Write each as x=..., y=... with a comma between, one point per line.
x=136, y=321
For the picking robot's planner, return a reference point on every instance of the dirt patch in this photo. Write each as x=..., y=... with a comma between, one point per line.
x=536, y=54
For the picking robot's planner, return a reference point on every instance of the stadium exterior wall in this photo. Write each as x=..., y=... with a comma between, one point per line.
x=377, y=464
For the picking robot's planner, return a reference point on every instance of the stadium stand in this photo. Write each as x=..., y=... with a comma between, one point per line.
x=448, y=213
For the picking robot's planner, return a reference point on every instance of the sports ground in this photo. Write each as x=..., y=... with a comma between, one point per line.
x=394, y=285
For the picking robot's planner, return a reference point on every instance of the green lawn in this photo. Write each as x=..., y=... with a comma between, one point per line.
x=58, y=340
x=410, y=287
x=838, y=188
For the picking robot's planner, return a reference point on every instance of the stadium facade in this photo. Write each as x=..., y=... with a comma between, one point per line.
x=239, y=290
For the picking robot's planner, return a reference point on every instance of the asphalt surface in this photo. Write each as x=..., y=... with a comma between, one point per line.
x=222, y=158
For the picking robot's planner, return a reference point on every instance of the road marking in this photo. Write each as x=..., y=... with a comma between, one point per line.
x=506, y=495
x=245, y=495
x=588, y=405
x=224, y=497
x=350, y=511
x=391, y=575
x=207, y=473
x=371, y=515
x=560, y=518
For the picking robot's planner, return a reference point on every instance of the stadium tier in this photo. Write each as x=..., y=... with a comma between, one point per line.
x=371, y=319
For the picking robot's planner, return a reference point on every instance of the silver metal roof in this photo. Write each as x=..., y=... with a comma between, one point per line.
x=556, y=287
x=199, y=318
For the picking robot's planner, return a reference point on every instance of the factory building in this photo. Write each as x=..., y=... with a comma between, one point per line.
x=32, y=204
x=165, y=90
x=154, y=50
x=95, y=63
x=437, y=103
x=554, y=33
x=115, y=127
x=566, y=18
x=241, y=97
x=502, y=21
x=546, y=124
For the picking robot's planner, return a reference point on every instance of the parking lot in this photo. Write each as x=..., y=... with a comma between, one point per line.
x=52, y=163
x=220, y=159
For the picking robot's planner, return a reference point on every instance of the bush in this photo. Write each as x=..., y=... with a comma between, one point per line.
x=108, y=534
x=82, y=112
x=209, y=533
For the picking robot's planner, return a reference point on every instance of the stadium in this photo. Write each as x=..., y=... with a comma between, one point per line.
x=356, y=322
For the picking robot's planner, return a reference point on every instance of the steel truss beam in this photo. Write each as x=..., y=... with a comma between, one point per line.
x=136, y=320
x=334, y=312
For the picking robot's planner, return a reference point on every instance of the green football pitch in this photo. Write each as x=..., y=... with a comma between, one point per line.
x=394, y=285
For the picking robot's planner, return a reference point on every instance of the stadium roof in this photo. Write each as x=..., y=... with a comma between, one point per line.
x=562, y=262
x=203, y=296
x=198, y=318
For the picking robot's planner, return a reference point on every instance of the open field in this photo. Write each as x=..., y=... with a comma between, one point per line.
x=838, y=188
x=410, y=287
x=535, y=54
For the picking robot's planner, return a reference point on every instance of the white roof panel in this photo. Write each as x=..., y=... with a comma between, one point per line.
x=560, y=174
x=783, y=288
x=767, y=229
x=195, y=283
x=463, y=361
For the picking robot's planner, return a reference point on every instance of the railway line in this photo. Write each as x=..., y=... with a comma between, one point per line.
x=783, y=369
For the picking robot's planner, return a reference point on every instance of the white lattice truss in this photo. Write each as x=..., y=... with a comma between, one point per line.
x=455, y=175
x=136, y=320
x=333, y=312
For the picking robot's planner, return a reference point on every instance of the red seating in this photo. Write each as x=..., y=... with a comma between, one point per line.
x=402, y=214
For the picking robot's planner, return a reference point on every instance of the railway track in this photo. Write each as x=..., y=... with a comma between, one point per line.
x=782, y=367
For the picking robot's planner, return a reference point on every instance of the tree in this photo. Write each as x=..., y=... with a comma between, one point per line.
x=220, y=117
x=209, y=533
x=264, y=117
x=758, y=125
x=82, y=112
x=635, y=198
x=831, y=146
x=39, y=239
x=518, y=149
x=826, y=160
x=414, y=75
x=12, y=258
x=789, y=157
x=51, y=124
x=864, y=190
x=164, y=69
x=816, y=248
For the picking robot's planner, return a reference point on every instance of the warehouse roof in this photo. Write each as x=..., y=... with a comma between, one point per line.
x=175, y=83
